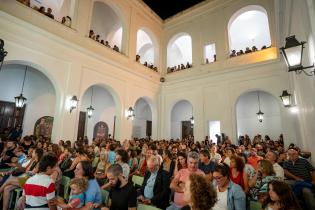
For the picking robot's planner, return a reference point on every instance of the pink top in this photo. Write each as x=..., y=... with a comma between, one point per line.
x=183, y=176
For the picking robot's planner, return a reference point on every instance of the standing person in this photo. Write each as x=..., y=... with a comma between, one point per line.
x=214, y=155
x=122, y=195
x=168, y=162
x=280, y=196
x=122, y=159
x=199, y=194
x=230, y=195
x=181, y=162
x=206, y=165
x=39, y=190
x=237, y=173
x=178, y=183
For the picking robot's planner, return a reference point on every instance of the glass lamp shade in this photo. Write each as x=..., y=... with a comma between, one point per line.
x=293, y=52
x=192, y=120
x=130, y=114
x=260, y=116
x=20, y=101
x=73, y=103
x=90, y=110
x=286, y=98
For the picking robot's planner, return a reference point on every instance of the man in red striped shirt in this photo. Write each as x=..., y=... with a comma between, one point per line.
x=39, y=190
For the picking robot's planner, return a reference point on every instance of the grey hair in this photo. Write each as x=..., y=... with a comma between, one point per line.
x=155, y=160
x=193, y=155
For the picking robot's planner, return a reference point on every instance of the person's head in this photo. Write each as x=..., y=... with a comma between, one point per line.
x=237, y=162
x=10, y=144
x=37, y=154
x=272, y=156
x=198, y=193
x=281, y=192
x=149, y=153
x=84, y=169
x=253, y=152
x=78, y=185
x=265, y=167
x=213, y=148
x=293, y=154
x=204, y=156
x=167, y=154
x=192, y=161
x=104, y=157
x=122, y=156
x=115, y=175
x=182, y=159
x=49, y=10
x=229, y=151
x=47, y=164
x=221, y=174
x=19, y=151
x=153, y=164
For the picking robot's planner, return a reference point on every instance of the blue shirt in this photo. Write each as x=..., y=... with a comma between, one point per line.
x=21, y=159
x=112, y=157
x=148, y=189
x=80, y=197
x=93, y=193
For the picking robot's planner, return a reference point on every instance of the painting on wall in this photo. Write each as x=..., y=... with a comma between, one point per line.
x=43, y=126
x=100, y=130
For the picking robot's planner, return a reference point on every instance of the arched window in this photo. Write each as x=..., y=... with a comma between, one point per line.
x=145, y=47
x=249, y=27
x=179, y=50
x=107, y=24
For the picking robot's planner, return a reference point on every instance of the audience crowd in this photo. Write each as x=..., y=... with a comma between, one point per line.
x=48, y=12
x=247, y=50
x=96, y=37
x=150, y=66
x=176, y=174
x=179, y=67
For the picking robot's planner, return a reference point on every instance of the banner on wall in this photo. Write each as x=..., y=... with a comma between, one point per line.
x=100, y=130
x=43, y=126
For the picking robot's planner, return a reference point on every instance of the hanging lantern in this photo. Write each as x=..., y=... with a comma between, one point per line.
x=20, y=99
x=73, y=103
x=130, y=114
x=90, y=110
x=260, y=116
x=286, y=98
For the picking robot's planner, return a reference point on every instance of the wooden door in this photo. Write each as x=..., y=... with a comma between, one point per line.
x=81, y=127
x=10, y=116
x=187, y=129
x=149, y=128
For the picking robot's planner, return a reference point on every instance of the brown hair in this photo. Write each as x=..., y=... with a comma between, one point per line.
x=239, y=163
x=267, y=167
x=203, y=195
x=82, y=183
x=286, y=196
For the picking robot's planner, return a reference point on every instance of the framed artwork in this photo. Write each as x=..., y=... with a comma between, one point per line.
x=43, y=126
x=100, y=130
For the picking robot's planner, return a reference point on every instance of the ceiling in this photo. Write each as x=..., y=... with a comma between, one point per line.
x=168, y=8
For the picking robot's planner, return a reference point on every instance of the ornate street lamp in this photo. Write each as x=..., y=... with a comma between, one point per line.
x=286, y=98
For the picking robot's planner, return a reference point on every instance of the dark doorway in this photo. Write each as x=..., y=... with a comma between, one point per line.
x=187, y=129
x=81, y=127
x=10, y=116
x=149, y=128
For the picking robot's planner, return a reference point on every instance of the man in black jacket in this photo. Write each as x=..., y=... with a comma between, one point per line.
x=155, y=188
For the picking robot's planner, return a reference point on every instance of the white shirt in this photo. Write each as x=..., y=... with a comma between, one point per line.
x=222, y=200
x=216, y=157
x=278, y=170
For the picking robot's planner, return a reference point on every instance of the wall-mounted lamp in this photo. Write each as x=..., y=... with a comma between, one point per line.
x=293, y=55
x=192, y=121
x=90, y=109
x=73, y=103
x=286, y=98
x=260, y=114
x=3, y=53
x=130, y=113
x=20, y=99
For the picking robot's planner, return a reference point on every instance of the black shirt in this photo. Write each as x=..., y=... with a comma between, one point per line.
x=123, y=198
x=207, y=168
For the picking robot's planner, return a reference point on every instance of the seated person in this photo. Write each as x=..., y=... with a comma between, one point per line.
x=155, y=188
x=76, y=199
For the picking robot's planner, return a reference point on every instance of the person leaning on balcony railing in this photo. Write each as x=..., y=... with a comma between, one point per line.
x=49, y=13
x=25, y=2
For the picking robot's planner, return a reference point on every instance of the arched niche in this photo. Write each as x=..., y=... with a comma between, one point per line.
x=179, y=50
x=247, y=105
x=147, y=46
x=106, y=109
x=41, y=93
x=142, y=123
x=108, y=23
x=249, y=27
x=181, y=113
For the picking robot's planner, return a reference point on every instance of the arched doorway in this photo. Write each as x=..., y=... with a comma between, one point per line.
x=39, y=91
x=247, y=107
x=179, y=50
x=103, y=103
x=181, y=115
x=142, y=123
x=249, y=27
x=147, y=47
